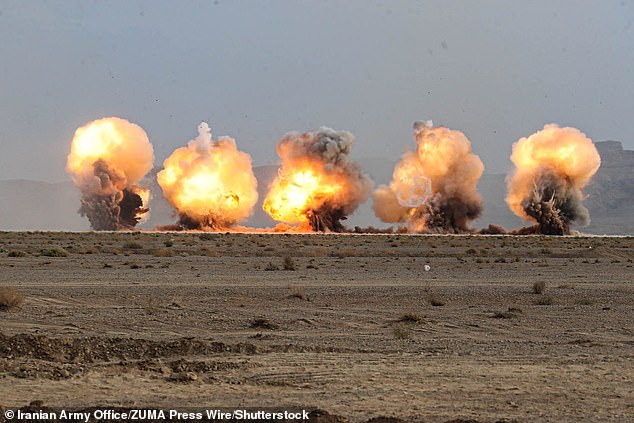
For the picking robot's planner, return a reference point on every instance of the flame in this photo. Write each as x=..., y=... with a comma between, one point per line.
x=317, y=185
x=556, y=163
x=108, y=158
x=210, y=183
x=434, y=187
x=297, y=192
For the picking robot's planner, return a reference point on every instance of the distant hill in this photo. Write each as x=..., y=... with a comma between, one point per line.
x=35, y=205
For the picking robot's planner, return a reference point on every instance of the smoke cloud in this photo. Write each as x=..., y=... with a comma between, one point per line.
x=108, y=158
x=209, y=183
x=318, y=185
x=552, y=167
x=433, y=189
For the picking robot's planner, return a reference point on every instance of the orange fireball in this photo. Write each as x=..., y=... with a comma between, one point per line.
x=108, y=158
x=317, y=185
x=209, y=183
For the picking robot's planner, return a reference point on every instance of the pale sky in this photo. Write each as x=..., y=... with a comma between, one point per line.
x=496, y=70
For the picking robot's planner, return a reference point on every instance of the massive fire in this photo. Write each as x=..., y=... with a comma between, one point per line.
x=552, y=168
x=108, y=158
x=209, y=183
x=317, y=185
x=433, y=189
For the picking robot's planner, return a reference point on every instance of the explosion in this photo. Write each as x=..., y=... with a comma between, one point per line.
x=552, y=168
x=209, y=183
x=435, y=187
x=108, y=157
x=317, y=185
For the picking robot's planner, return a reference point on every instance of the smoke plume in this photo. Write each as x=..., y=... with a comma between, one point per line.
x=552, y=167
x=209, y=183
x=108, y=158
x=433, y=189
x=318, y=185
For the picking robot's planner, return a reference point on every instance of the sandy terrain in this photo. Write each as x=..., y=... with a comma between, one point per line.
x=206, y=320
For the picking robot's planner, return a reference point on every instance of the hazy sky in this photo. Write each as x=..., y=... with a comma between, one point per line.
x=497, y=70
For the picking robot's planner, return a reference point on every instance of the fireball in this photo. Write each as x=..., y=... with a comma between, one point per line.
x=552, y=167
x=108, y=158
x=317, y=185
x=209, y=183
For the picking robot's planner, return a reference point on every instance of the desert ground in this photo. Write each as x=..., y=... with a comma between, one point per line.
x=349, y=324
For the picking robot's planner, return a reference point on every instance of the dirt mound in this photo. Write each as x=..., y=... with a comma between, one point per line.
x=95, y=349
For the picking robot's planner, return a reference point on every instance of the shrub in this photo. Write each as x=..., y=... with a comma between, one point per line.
x=262, y=323
x=54, y=252
x=16, y=254
x=411, y=317
x=289, y=264
x=297, y=292
x=163, y=252
x=132, y=245
x=10, y=298
x=401, y=332
x=539, y=287
x=544, y=301
x=435, y=300
x=271, y=267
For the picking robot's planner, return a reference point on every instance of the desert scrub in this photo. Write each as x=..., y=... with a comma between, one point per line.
x=10, y=298
x=297, y=292
x=132, y=245
x=54, y=252
x=16, y=254
x=539, y=287
x=411, y=317
x=289, y=264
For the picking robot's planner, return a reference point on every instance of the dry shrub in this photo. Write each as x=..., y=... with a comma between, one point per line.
x=435, y=300
x=54, y=252
x=132, y=245
x=297, y=292
x=16, y=254
x=402, y=332
x=262, y=323
x=544, y=301
x=163, y=252
x=289, y=264
x=411, y=317
x=10, y=298
x=271, y=267
x=539, y=287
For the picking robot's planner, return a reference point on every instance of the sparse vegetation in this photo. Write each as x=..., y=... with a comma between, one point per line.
x=544, y=301
x=16, y=253
x=435, y=300
x=54, y=252
x=132, y=245
x=289, y=264
x=271, y=267
x=163, y=252
x=504, y=315
x=568, y=285
x=402, y=331
x=10, y=298
x=411, y=317
x=583, y=301
x=262, y=323
x=297, y=292
x=539, y=287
